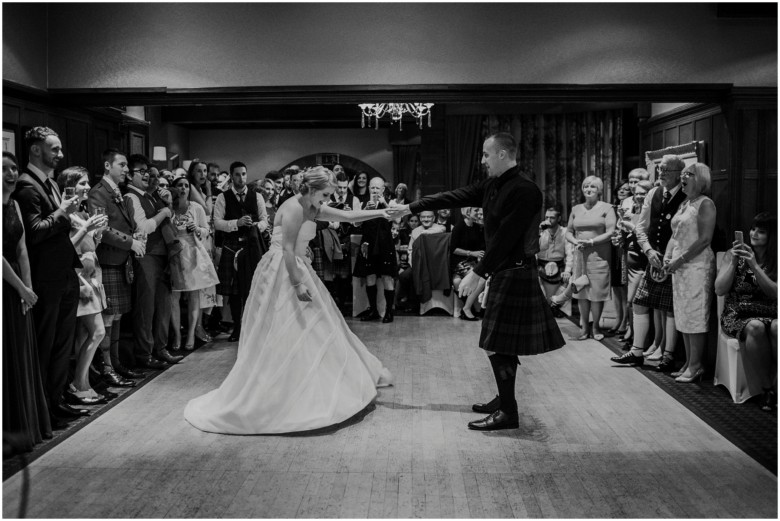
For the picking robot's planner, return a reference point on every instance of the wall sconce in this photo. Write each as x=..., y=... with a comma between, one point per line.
x=159, y=154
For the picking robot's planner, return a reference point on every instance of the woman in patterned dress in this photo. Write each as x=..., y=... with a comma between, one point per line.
x=748, y=278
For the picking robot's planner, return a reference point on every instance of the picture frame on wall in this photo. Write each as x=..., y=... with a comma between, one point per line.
x=9, y=141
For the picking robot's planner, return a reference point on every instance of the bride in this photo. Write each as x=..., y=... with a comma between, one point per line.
x=299, y=367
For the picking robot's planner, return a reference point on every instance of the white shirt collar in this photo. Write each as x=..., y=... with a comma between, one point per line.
x=37, y=171
x=243, y=192
x=676, y=189
x=110, y=182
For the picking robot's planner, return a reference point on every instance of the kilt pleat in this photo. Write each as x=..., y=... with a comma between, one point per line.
x=518, y=319
x=656, y=295
x=119, y=293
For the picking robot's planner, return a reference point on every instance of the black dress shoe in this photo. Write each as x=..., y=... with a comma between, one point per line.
x=125, y=372
x=114, y=380
x=372, y=315
x=666, y=365
x=65, y=411
x=496, y=421
x=235, y=335
x=487, y=408
x=628, y=358
x=166, y=356
x=388, y=317
x=151, y=363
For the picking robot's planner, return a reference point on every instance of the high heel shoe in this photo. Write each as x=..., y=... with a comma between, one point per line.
x=203, y=336
x=690, y=379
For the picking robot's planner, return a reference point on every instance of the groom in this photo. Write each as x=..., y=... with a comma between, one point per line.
x=517, y=320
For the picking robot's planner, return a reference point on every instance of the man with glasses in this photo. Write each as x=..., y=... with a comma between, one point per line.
x=653, y=231
x=152, y=309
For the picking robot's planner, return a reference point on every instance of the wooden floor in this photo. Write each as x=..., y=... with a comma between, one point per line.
x=595, y=441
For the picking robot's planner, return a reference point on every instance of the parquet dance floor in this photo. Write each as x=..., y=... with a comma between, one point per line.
x=594, y=441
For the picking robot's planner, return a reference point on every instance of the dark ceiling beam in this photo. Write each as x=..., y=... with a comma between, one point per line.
x=342, y=94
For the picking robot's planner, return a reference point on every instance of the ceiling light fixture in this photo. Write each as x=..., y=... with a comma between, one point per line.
x=396, y=111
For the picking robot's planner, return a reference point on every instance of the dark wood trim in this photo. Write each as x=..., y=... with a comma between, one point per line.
x=505, y=93
x=682, y=114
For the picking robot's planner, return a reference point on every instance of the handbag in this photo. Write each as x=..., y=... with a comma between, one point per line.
x=574, y=286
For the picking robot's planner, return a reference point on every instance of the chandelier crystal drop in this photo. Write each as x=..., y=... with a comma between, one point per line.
x=396, y=111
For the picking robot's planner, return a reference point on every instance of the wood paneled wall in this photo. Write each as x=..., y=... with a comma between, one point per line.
x=740, y=148
x=84, y=134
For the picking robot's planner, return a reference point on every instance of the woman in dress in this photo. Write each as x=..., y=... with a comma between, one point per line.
x=25, y=413
x=361, y=192
x=590, y=229
x=691, y=262
x=619, y=274
x=268, y=190
x=192, y=270
x=467, y=247
x=298, y=365
x=400, y=198
x=90, y=329
x=748, y=278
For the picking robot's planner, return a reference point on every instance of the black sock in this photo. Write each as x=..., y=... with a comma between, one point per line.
x=371, y=294
x=389, y=299
x=235, y=311
x=504, y=370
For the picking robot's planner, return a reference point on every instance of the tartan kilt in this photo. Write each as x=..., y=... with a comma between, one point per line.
x=518, y=320
x=656, y=295
x=343, y=268
x=228, y=285
x=318, y=262
x=119, y=294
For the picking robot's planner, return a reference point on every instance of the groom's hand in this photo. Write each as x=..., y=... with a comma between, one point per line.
x=469, y=284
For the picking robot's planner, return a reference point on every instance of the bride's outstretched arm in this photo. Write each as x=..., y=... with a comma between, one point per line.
x=328, y=213
x=292, y=221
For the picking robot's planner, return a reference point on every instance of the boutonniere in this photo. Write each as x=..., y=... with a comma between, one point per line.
x=118, y=199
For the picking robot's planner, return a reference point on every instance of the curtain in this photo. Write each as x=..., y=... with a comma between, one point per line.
x=405, y=159
x=463, y=152
x=558, y=151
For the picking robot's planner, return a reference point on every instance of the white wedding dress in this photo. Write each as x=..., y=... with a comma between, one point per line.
x=299, y=367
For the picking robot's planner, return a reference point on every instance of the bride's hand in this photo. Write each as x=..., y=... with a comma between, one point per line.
x=302, y=292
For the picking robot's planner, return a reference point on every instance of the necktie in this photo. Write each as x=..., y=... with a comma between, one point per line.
x=667, y=197
x=241, y=197
x=54, y=191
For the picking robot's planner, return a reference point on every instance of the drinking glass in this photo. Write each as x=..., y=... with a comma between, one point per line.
x=99, y=210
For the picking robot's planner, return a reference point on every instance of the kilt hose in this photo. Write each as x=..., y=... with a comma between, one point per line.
x=119, y=293
x=518, y=320
x=656, y=295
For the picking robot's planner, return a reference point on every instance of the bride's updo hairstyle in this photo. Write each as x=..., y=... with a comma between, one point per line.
x=317, y=178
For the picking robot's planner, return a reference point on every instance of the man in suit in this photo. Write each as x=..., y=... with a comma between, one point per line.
x=52, y=261
x=114, y=254
x=152, y=285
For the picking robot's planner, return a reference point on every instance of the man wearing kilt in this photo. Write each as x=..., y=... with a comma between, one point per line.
x=236, y=211
x=114, y=255
x=517, y=320
x=653, y=231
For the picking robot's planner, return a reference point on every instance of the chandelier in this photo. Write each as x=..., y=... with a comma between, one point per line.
x=396, y=111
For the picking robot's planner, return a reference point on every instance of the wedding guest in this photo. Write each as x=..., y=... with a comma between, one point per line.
x=53, y=260
x=90, y=330
x=241, y=217
x=467, y=247
x=691, y=262
x=401, y=194
x=25, y=411
x=200, y=189
x=191, y=270
x=428, y=224
x=152, y=311
x=590, y=229
x=552, y=255
x=748, y=278
x=619, y=265
x=115, y=253
x=377, y=256
x=360, y=191
x=443, y=218
x=634, y=176
x=293, y=176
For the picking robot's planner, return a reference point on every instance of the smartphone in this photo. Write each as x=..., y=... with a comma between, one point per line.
x=70, y=191
x=738, y=237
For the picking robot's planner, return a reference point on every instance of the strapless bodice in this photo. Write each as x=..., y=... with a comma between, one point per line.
x=307, y=232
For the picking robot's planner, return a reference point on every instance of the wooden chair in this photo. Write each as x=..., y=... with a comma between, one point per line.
x=438, y=298
x=732, y=369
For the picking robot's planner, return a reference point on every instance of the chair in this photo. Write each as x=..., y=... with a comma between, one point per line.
x=732, y=369
x=436, y=247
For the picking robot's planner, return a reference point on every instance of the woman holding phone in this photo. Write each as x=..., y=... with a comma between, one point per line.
x=691, y=262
